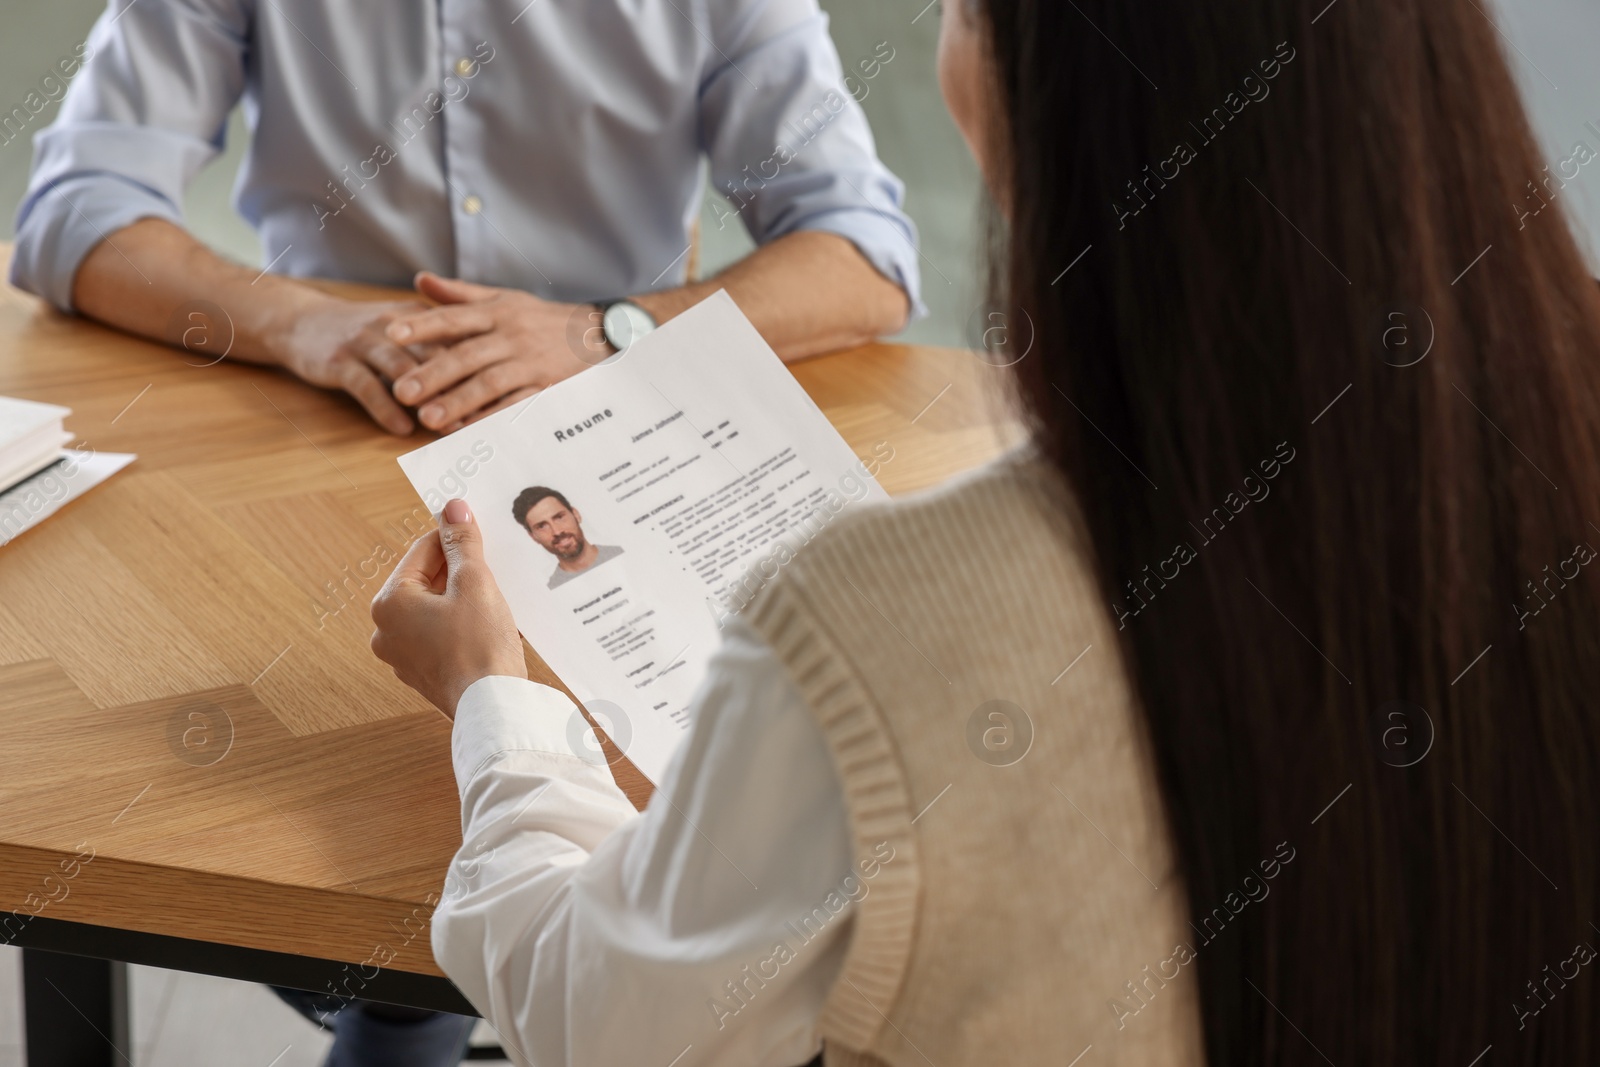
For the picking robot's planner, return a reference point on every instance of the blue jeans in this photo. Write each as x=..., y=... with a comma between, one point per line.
x=378, y=1035
x=366, y=1034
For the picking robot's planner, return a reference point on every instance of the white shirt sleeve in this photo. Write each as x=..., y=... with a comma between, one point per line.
x=706, y=930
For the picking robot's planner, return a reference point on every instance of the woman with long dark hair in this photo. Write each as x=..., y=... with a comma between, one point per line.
x=1243, y=718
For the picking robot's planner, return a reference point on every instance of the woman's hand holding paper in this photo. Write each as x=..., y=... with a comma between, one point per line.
x=442, y=623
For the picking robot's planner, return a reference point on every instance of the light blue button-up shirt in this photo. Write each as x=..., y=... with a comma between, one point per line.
x=553, y=146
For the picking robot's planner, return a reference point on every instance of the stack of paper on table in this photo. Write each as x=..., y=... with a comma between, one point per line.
x=31, y=438
x=691, y=468
x=38, y=474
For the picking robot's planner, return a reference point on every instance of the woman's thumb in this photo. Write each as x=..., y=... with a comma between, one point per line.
x=463, y=541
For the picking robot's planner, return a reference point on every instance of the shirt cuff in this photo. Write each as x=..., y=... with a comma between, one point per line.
x=502, y=714
x=59, y=226
x=881, y=237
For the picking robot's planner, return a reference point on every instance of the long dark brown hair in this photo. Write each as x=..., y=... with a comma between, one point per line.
x=1335, y=349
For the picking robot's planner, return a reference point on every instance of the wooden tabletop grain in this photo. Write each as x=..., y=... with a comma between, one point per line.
x=195, y=740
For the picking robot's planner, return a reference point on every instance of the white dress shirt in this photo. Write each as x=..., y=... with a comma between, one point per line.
x=706, y=930
x=552, y=146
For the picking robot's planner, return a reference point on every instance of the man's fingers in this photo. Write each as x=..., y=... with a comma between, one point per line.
x=490, y=385
x=452, y=367
x=387, y=358
x=453, y=322
x=451, y=290
x=358, y=380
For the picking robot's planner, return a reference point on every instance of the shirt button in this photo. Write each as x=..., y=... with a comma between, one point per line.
x=465, y=67
x=472, y=205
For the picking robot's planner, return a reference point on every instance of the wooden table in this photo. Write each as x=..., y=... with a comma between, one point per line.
x=186, y=691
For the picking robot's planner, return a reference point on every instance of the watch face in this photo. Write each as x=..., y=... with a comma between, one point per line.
x=625, y=323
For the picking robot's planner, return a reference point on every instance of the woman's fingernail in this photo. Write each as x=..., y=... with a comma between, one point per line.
x=432, y=414
x=407, y=391
x=399, y=331
x=457, y=512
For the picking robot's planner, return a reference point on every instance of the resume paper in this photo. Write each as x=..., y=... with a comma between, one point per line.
x=625, y=512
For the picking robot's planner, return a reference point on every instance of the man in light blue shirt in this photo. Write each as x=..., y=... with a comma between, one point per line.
x=522, y=162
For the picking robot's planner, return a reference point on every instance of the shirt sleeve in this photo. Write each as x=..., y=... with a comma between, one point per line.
x=789, y=145
x=147, y=110
x=706, y=930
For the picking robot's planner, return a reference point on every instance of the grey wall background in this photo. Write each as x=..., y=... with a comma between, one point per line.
x=1551, y=44
x=915, y=138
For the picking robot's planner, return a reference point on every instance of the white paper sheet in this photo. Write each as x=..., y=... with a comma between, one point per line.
x=698, y=456
x=30, y=502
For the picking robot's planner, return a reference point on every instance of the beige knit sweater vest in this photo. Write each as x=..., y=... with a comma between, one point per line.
x=965, y=671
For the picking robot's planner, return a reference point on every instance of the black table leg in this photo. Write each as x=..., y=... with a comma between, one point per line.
x=75, y=1011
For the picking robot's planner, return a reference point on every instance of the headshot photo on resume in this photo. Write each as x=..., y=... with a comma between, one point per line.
x=558, y=528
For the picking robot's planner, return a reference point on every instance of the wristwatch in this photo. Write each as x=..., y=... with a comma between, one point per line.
x=624, y=322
